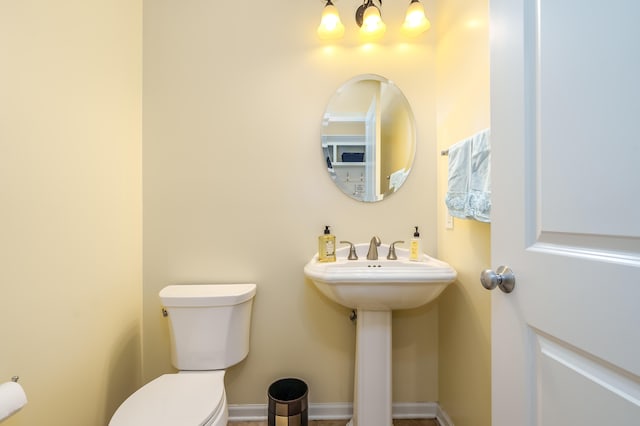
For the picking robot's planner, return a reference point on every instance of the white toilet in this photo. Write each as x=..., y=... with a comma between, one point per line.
x=209, y=328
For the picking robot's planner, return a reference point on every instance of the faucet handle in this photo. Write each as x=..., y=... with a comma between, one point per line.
x=352, y=250
x=392, y=250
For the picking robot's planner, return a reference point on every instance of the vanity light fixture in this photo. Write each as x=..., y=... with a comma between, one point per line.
x=331, y=28
x=415, y=23
x=372, y=27
x=368, y=18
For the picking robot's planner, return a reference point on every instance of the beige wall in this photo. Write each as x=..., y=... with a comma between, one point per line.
x=70, y=221
x=463, y=109
x=236, y=189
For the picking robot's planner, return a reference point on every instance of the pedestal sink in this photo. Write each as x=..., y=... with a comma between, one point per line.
x=374, y=288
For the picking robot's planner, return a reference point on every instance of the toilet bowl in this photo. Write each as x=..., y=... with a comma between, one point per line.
x=176, y=399
x=209, y=330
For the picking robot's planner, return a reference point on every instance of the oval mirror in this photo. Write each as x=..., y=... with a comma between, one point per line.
x=368, y=138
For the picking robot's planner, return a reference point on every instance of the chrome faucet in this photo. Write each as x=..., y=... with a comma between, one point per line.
x=372, y=254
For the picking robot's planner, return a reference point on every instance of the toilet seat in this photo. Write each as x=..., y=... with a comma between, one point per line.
x=187, y=399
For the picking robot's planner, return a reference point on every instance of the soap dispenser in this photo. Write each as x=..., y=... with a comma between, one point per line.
x=327, y=246
x=415, y=247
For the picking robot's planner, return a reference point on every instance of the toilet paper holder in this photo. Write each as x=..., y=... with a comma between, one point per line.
x=15, y=379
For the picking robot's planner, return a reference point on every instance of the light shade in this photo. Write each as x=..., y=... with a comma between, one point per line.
x=331, y=27
x=373, y=28
x=415, y=23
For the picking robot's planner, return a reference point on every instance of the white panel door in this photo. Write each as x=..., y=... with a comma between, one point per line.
x=565, y=127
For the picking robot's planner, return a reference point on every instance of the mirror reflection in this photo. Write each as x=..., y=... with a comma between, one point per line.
x=368, y=138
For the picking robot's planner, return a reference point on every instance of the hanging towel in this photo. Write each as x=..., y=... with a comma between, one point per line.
x=396, y=179
x=469, y=193
x=459, y=172
x=479, y=204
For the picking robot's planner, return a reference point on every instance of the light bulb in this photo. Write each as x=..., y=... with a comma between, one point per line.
x=331, y=27
x=415, y=23
x=373, y=28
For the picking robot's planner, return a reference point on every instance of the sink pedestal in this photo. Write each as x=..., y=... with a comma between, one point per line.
x=375, y=288
x=372, y=385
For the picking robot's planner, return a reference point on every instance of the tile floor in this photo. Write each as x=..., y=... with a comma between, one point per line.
x=397, y=422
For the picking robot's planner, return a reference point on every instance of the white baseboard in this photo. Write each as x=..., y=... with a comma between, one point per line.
x=344, y=410
x=443, y=417
x=247, y=412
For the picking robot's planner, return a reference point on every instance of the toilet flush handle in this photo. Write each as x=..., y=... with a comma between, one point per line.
x=165, y=313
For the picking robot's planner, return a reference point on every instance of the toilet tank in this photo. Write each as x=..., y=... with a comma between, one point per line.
x=208, y=324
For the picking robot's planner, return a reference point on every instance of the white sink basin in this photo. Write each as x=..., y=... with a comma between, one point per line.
x=374, y=288
x=380, y=284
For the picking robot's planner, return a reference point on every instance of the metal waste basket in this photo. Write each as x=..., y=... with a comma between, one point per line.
x=288, y=403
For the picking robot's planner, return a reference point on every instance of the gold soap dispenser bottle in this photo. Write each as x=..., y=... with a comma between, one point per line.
x=327, y=246
x=415, y=247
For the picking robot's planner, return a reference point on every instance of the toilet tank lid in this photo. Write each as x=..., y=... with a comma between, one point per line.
x=204, y=295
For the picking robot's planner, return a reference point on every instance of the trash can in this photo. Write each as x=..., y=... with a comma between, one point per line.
x=288, y=403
